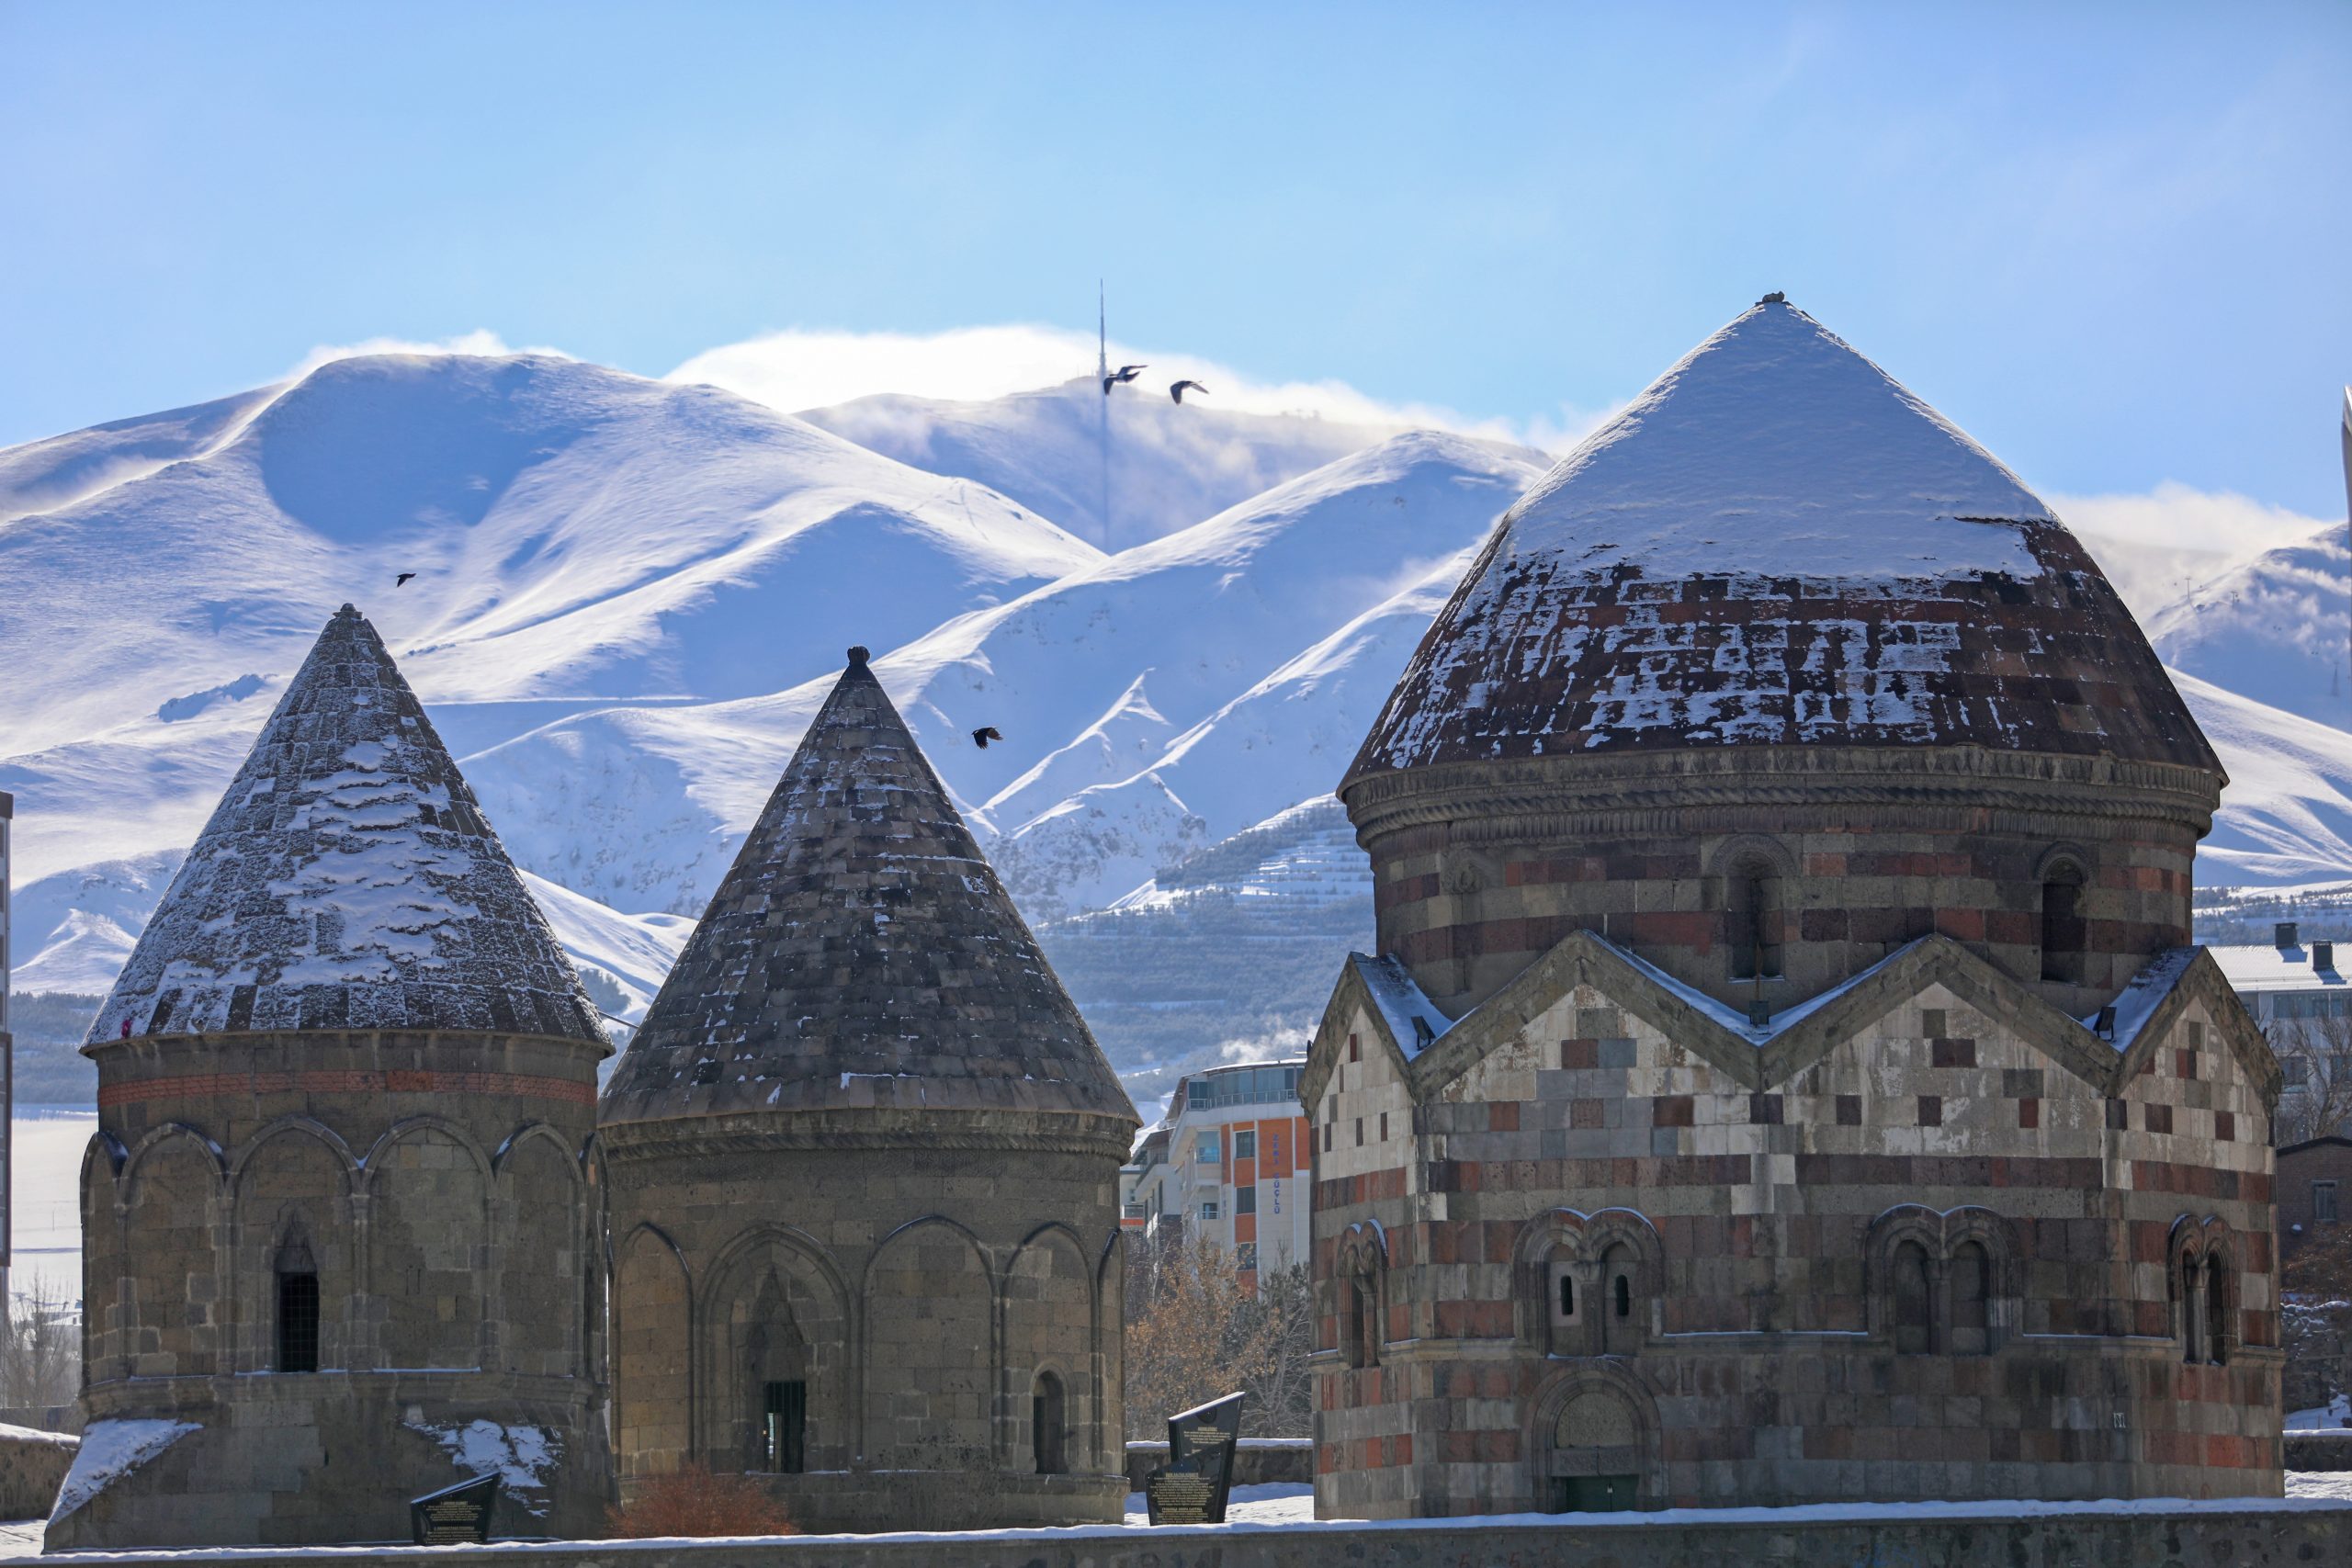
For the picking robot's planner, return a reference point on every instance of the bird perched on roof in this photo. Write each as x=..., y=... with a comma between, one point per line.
x=1123, y=374
x=981, y=737
x=403, y=579
x=1178, y=391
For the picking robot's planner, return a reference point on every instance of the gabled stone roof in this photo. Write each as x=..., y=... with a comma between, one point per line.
x=861, y=953
x=1778, y=544
x=347, y=880
x=1766, y=1056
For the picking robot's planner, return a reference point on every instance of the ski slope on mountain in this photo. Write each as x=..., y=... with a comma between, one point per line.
x=1169, y=465
x=1091, y=681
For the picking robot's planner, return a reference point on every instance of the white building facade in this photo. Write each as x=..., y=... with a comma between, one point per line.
x=1229, y=1161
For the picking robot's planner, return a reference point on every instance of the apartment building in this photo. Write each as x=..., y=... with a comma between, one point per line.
x=1229, y=1160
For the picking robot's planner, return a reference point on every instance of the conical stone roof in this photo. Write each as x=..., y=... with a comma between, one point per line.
x=347, y=880
x=861, y=953
x=1776, y=543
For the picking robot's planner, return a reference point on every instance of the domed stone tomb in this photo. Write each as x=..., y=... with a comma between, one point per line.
x=337, y=1233
x=863, y=1159
x=1785, y=1076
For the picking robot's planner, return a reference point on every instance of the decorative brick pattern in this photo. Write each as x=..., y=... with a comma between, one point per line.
x=194, y=1086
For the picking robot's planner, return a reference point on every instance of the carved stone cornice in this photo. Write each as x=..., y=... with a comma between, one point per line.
x=867, y=1128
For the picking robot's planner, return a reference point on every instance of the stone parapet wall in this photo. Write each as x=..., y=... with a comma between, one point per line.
x=2111, y=1536
x=32, y=1466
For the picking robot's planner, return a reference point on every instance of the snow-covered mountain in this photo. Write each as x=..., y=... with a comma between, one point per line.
x=1117, y=470
x=630, y=597
x=2274, y=627
x=1103, y=684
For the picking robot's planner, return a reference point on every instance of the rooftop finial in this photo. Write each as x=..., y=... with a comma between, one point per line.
x=347, y=610
x=857, y=657
x=1775, y=297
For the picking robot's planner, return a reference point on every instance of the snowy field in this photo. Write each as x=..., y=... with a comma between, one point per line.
x=46, y=1215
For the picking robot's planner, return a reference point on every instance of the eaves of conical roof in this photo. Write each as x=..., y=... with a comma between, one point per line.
x=861, y=953
x=347, y=881
x=1778, y=544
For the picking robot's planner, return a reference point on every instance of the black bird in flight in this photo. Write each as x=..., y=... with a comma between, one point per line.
x=1178, y=391
x=403, y=579
x=981, y=737
x=1123, y=374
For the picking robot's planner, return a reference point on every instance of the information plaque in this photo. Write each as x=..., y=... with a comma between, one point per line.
x=1193, y=1487
x=455, y=1516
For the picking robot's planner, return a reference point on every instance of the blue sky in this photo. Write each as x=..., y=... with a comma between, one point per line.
x=2110, y=241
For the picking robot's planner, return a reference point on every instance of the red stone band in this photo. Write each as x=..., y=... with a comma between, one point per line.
x=569, y=1090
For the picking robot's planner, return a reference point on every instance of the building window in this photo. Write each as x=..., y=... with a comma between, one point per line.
x=1245, y=1145
x=1970, y=1281
x=1913, y=1313
x=2217, y=1309
x=1245, y=1199
x=1047, y=1425
x=1363, y=1322
x=2323, y=1202
x=784, y=1428
x=2063, y=935
x=1563, y=1295
x=1751, y=921
x=1618, y=1327
x=1244, y=1257
x=298, y=1320
x=2192, y=1309
x=1208, y=1208
x=1208, y=1148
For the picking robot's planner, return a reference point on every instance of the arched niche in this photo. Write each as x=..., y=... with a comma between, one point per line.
x=777, y=1356
x=170, y=1258
x=1049, y=1322
x=428, y=1188
x=541, y=1238
x=930, y=1371
x=652, y=1349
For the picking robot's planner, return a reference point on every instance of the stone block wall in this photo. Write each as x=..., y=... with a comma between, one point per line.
x=924, y=1295
x=433, y=1184
x=1480, y=869
x=32, y=1466
x=1942, y=1255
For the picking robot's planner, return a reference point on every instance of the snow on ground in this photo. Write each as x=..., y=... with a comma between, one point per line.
x=1276, y=1502
x=2335, y=1414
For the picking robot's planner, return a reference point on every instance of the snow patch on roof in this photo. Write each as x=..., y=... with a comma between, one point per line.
x=1774, y=448
x=2145, y=993
x=347, y=880
x=1734, y=1020
x=1413, y=1021
x=110, y=1451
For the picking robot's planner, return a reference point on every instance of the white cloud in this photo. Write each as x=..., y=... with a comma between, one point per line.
x=2156, y=544
x=478, y=341
x=798, y=369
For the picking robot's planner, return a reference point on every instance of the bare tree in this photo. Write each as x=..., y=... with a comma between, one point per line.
x=2316, y=1055
x=40, y=1351
x=2315, y=1317
x=1198, y=1328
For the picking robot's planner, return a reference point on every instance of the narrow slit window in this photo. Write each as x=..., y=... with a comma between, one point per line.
x=2063, y=929
x=298, y=1321
x=1751, y=931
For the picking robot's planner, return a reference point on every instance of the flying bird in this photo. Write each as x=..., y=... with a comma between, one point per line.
x=403, y=579
x=1124, y=373
x=980, y=738
x=1178, y=391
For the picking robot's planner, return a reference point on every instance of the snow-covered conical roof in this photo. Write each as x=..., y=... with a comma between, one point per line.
x=347, y=880
x=1778, y=543
x=861, y=953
